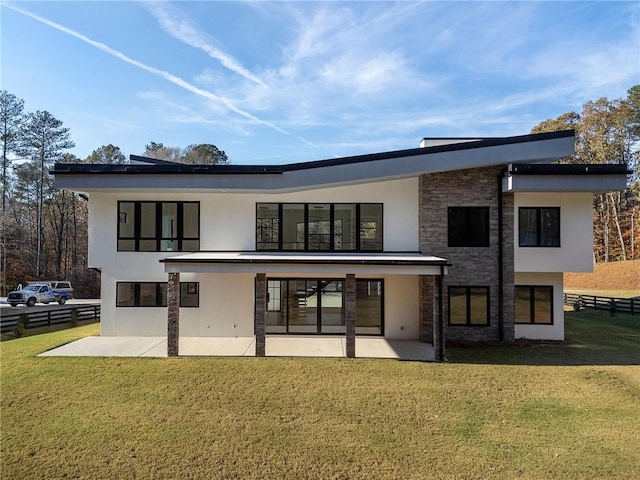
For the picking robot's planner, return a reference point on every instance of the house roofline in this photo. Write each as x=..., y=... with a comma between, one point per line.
x=147, y=165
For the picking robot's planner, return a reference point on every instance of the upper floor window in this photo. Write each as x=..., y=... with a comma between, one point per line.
x=468, y=227
x=158, y=226
x=539, y=226
x=319, y=226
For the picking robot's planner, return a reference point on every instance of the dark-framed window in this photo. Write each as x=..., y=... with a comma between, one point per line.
x=469, y=306
x=468, y=226
x=316, y=306
x=534, y=304
x=154, y=294
x=319, y=227
x=158, y=226
x=539, y=226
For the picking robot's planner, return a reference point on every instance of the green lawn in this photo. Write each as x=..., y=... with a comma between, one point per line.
x=510, y=416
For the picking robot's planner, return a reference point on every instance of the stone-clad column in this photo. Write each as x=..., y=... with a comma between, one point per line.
x=350, y=314
x=260, y=313
x=428, y=317
x=173, y=314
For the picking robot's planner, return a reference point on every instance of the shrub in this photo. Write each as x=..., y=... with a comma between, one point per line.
x=73, y=319
x=24, y=320
x=21, y=325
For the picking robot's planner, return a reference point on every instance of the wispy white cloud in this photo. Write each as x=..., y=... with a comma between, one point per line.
x=175, y=24
x=160, y=73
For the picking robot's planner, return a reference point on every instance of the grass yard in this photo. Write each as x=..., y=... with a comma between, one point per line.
x=491, y=413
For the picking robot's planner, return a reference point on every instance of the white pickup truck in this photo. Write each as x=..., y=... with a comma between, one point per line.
x=35, y=293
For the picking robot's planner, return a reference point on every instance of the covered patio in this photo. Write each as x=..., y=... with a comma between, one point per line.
x=276, y=346
x=429, y=269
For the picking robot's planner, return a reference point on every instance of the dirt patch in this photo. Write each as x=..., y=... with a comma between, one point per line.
x=607, y=276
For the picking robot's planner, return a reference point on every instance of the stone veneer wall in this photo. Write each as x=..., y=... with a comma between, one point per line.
x=471, y=266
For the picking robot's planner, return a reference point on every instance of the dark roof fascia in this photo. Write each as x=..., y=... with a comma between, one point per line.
x=151, y=161
x=567, y=169
x=62, y=168
x=163, y=169
x=482, y=143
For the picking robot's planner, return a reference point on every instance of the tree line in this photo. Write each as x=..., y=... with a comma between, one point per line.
x=44, y=230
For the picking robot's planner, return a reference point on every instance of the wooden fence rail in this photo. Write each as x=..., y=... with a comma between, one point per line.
x=50, y=317
x=611, y=304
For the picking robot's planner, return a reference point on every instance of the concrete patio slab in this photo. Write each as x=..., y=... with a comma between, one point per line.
x=110, y=347
x=276, y=346
x=218, y=346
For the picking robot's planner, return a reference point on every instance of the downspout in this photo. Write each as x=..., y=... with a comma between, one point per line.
x=441, y=342
x=500, y=263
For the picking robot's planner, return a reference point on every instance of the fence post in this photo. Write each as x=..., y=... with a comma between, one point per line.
x=48, y=318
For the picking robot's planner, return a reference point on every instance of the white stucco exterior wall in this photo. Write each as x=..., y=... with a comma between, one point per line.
x=544, y=332
x=227, y=222
x=575, y=253
x=402, y=309
x=226, y=308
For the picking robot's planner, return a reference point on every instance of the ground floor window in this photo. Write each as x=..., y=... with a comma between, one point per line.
x=317, y=306
x=154, y=294
x=469, y=306
x=534, y=304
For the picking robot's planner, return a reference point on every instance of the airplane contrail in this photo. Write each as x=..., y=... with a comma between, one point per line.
x=160, y=73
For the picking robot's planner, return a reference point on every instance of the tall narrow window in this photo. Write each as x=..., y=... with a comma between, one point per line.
x=369, y=307
x=319, y=225
x=539, y=226
x=344, y=227
x=126, y=226
x=293, y=226
x=267, y=226
x=469, y=306
x=371, y=227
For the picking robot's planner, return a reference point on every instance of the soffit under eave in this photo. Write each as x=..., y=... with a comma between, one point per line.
x=303, y=269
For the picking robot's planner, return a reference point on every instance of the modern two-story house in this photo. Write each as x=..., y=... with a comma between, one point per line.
x=457, y=240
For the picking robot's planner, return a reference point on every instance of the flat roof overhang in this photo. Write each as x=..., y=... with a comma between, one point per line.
x=565, y=178
x=309, y=263
x=535, y=148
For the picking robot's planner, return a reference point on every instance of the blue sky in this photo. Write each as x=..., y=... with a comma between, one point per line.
x=282, y=82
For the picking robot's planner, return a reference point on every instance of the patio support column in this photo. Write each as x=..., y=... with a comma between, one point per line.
x=350, y=314
x=428, y=317
x=438, y=320
x=173, y=314
x=260, y=313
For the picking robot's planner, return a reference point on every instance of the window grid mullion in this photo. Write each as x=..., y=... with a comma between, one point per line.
x=137, y=224
x=180, y=224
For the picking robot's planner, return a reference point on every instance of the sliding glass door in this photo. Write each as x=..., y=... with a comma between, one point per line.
x=316, y=306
